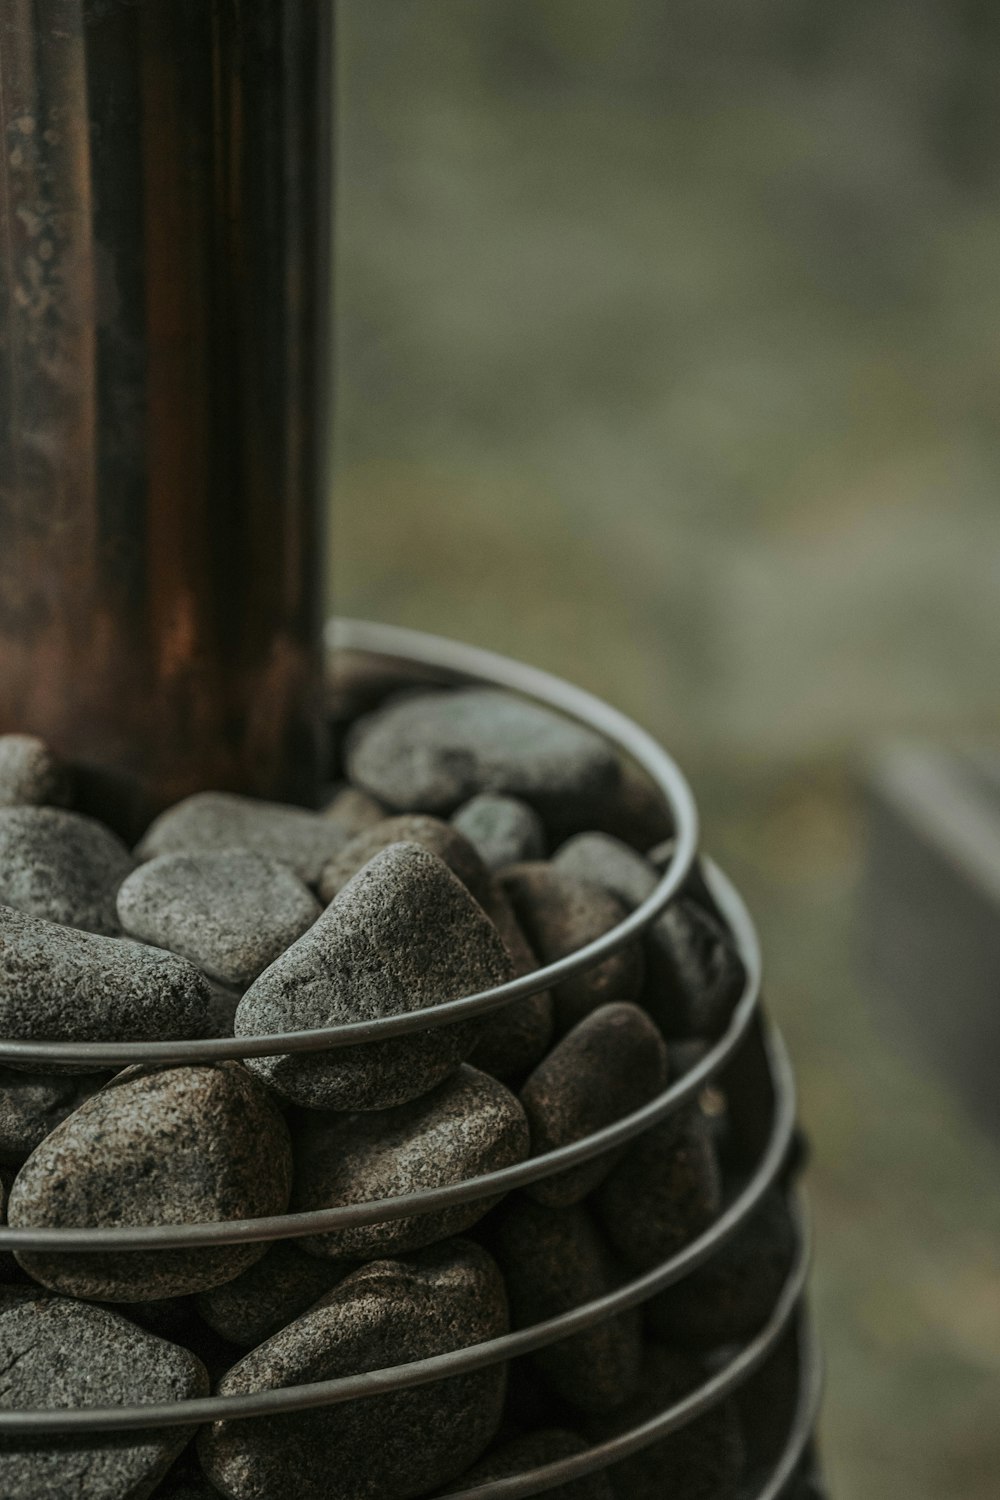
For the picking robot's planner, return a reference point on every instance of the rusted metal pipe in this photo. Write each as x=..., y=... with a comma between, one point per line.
x=165, y=281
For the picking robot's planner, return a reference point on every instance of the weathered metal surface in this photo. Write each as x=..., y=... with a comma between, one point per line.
x=164, y=275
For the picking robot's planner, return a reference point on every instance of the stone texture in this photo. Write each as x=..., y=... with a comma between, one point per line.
x=532, y=1451
x=354, y=809
x=404, y=934
x=447, y=843
x=559, y=914
x=554, y=1259
x=54, y=1352
x=30, y=775
x=177, y=1145
x=700, y=1461
x=431, y=752
x=611, y=1063
x=731, y=1297
x=33, y=1104
x=517, y=1036
x=301, y=839
x=230, y=911
x=387, y=1447
x=468, y=1125
x=61, y=866
x=502, y=830
x=268, y=1295
x=663, y=1192
x=57, y=984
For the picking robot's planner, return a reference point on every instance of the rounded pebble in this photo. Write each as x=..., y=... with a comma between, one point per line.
x=268, y=1295
x=502, y=830
x=533, y=1451
x=411, y=828
x=33, y=1104
x=61, y=866
x=30, y=775
x=354, y=810
x=303, y=840
x=516, y=1036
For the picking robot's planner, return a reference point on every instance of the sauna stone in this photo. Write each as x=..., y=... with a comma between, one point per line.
x=533, y=1451
x=502, y=830
x=61, y=866
x=30, y=775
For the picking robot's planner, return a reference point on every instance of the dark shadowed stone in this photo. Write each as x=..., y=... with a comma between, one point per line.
x=533, y=1451
x=731, y=1297
x=53, y=1353
x=269, y=1295
x=410, y=828
x=387, y=1447
x=404, y=934
x=61, y=866
x=58, y=984
x=610, y=1064
x=33, y=1104
x=701, y=1461
x=515, y=1037
x=178, y=1319
x=554, y=1260
x=664, y=1191
x=560, y=914
x=634, y=812
x=186, y=1482
x=163, y=1146
x=354, y=810
x=502, y=830
x=222, y=1007
x=230, y=911
x=470, y=1124
x=30, y=775
x=303, y=840
x=357, y=681
x=433, y=751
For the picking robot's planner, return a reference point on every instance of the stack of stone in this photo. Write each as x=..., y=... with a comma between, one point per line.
x=474, y=837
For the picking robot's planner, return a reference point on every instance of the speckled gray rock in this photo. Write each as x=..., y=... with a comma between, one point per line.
x=164, y=1146
x=30, y=775
x=61, y=866
x=268, y=1295
x=387, y=1447
x=354, y=809
x=33, y=1104
x=665, y=1190
x=404, y=934
x=58, y=984
x=468, y=1125
x=53, y=1353
x=410, y=828
x=230, y=911
x=517, y=1036
x=502, y=830
x=431, y=752
x=560, y=914
x=303, y=840
x=533, y=1451
x=554, y=1259
x=700, y=1461
x=611, y=1063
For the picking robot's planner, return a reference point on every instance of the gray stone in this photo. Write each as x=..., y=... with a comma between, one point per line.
x=633, y=811
x=174, y=1145
x=61, y=866
x=468, y=1125
x=30, y=775
x=502, y=830
x=404, y=934
x=354, y=810
x=533, y=1451
x=58, y=984
x=301, y=839
x=559, y=914
x=230, y=911
x=268, y=1295
x=222, y=1007
x=386, y=1447
x=431, y=752
x=53, y=1353
x=664, y=1192
x=554, y=1260
x=516, y=1036
x=701, y=1461
x=611, y=1063
x=33, y=1104
x=410, y=828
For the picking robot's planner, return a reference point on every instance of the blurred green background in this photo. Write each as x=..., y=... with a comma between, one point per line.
x=669, y=350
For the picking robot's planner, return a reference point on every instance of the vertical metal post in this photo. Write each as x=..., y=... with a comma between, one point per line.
x=164, y=334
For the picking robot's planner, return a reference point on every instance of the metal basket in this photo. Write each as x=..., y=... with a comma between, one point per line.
x=748, y=1036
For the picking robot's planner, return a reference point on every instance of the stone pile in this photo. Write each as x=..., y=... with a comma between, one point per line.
x=474, y=838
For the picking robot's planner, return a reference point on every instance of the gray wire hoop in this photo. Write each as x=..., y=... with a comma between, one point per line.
x=451, y=662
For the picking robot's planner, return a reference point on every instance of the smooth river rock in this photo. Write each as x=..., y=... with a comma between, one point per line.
x=268, y=1295
x=303, y=840
x=409, y=828
x=55, y=1352
x=503, y=830
x=386, y=1447
x=33, y=1104
x=404, y=934
x=533, y=1451
x=354, y=810
x=30, y=775
x=61, y=866
x=470, y=1124
x=174, y=1145
x=230, y=911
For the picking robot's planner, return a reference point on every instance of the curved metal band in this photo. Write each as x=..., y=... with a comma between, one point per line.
x=467, y=664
